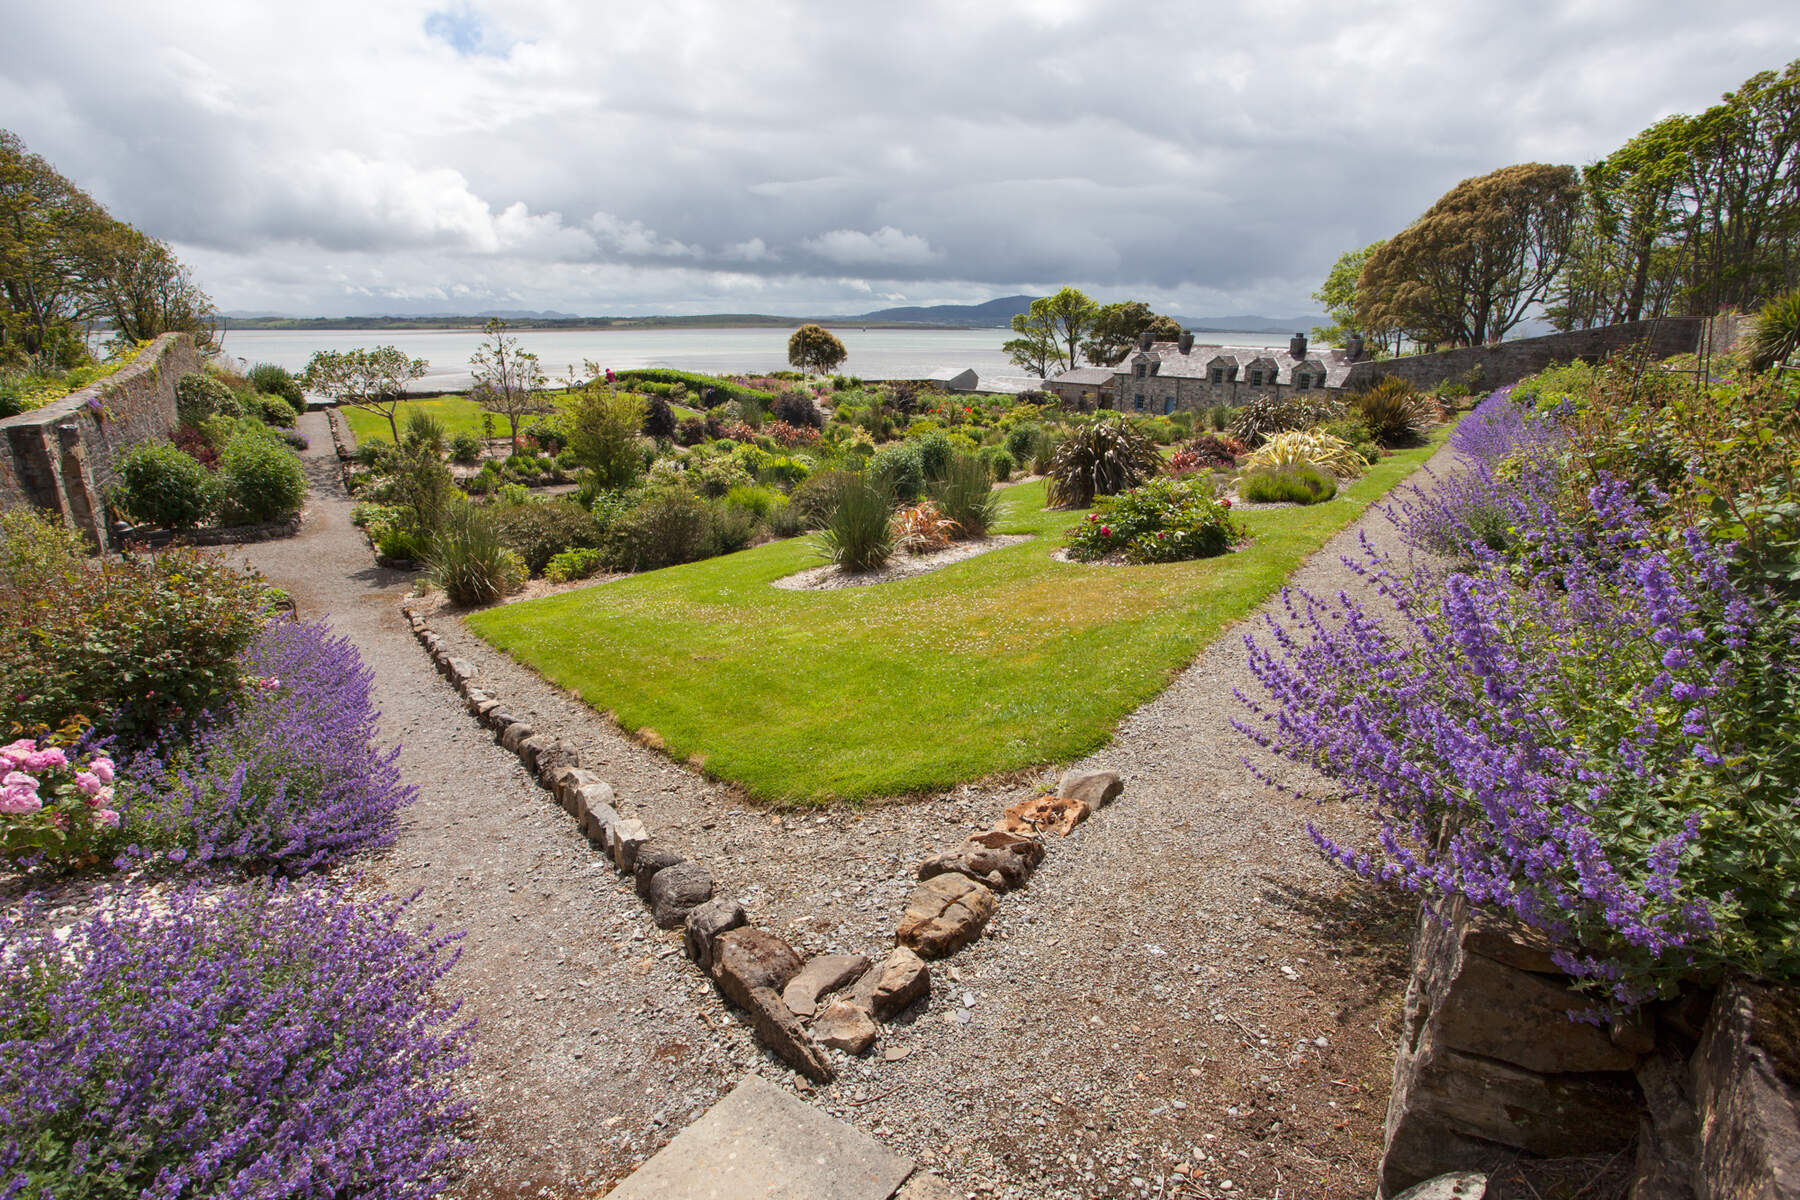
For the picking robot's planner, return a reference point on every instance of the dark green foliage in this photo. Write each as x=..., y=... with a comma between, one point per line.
x=159, y=485
x=1218, y=417
x=548, y=434
x=1776, y=336
x=786, y=521
x=1290, y=485
x=899, y=470
x=138, y=646
x=424, y=430
x=668, y=526
x=1170, y=519
x=797, y=409
x=1265, y=415
x=420, y=484
x=858, y=536
x=1022, y=441
x=965, y=494
x=1100, y=459
x=278, y=381
x=729, y=529
x=814, y=500
x=200, y=396
x=1394, y=411
x=602, y=430
x=263, y=480
x=999, y=463
x=691, y=431
x=468, y=561
x=465, y=448
x=659, y=419
x=539, y=530
x=270, y=410
x=935, y=452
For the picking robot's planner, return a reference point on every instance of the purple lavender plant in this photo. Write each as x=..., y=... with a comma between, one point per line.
x=1593, y=731
x=266, y=1041
x=291, y=777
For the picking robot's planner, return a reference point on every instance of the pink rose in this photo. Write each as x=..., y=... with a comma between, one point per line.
x=88, y=782
x=107, y=817
x=44, y=760
x=103, y=767
x=19, y=779
x=18, y=801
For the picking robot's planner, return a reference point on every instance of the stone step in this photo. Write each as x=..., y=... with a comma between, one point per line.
x=761, y=1142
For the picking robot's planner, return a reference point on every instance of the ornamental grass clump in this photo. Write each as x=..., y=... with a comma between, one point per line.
x=469, y=561
x=1169, y=519
x=1101, y=459
x=1396, y=412
x=1311, y=448
x=1593, y=730
x=858, y=536
x=1289, y=485
x=965, y=493
x=291, y=778
x=265, y=1040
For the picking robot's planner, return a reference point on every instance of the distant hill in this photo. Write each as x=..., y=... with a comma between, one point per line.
x=994, y=314
x=1250, y=324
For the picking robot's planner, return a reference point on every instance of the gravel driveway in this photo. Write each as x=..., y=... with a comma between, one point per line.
x=1184, y=1002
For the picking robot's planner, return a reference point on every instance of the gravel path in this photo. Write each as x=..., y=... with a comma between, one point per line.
x=1183, y=984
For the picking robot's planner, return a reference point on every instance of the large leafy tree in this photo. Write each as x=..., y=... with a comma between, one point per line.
x=1117, y=327
x=136, y=282
x=1338, y=295
x=373, y=380
x=815, y=348
x=1473, y=265
x=508, y=381
x=1051, y=332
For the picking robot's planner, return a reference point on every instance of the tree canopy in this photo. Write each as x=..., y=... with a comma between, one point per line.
x=1051, y=333
x=64, y=261
x=373, y=380
x=508, y=380
x=1117, y=327
x=815, y=348
x=1473, y=265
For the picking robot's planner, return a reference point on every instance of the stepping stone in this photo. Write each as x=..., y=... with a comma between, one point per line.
x=761, y=1141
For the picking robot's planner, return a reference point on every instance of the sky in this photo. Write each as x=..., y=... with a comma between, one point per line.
x=350, y=157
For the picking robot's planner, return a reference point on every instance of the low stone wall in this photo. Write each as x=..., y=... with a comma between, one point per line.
x=1509, y=362
x=64, y=457
x=1703, y=1093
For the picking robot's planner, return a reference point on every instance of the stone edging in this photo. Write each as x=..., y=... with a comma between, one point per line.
x=753, y=968
x=230, y=535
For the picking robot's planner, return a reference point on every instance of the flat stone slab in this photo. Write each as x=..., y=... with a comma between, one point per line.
x=763, y=1143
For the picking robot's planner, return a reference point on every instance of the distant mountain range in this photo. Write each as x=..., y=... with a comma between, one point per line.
x=993, y=314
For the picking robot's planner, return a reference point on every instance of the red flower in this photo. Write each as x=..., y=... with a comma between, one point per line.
x=1226, y=501
x=1105, y=531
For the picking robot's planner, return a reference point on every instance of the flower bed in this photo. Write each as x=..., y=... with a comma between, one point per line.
x=1169, y=519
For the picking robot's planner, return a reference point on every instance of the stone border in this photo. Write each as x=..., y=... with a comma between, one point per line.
x=230, y=535
x=754, y=969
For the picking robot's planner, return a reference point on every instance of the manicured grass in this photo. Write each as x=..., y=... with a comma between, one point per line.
x=992, y=664
x=458, y=413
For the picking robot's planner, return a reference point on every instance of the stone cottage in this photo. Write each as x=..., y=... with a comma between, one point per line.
x=1180, y=376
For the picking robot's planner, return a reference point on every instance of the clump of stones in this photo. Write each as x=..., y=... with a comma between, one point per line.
x=795, y=1005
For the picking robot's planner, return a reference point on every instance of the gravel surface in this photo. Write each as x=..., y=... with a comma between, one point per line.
x=901, y=566
x=1184, y=1001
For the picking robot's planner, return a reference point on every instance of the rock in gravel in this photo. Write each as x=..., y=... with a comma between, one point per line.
x=706, y=923
x=498, y=719
x=843, y=1026
x=780, y=1031
x=946, y=913
x=628, y=837
x=461, y=669
x=1039, y=814
x=589, y=799
x=820, y=977
x=1096, y=788
x=650, y=860
x=746, y=959
x=894, y=986
x=678, y=890
x=1463, y=1185
x=999, y=859
x=557, y=756
x=598, y=821
x=485, y=709
x=474, y=700
x=534, y=749
x=568, y=788
x=514, y=735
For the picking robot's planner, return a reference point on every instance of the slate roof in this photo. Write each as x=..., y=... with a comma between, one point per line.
x=1196, y=363
x=1086, y=376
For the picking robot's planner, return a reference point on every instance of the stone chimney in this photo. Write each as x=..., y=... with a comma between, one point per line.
x=1353, y=346
x=1186, y=342
x=1146, y=340
x=1297, y=345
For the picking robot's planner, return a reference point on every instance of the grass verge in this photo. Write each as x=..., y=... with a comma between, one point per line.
x=996, y=663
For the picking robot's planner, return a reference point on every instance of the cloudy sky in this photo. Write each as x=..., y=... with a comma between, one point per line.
x=364, y=156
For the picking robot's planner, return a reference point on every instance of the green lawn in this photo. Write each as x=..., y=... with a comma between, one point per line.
x=999, y=662
x=458, y=413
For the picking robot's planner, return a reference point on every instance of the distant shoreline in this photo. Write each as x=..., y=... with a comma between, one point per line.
x=718, y=321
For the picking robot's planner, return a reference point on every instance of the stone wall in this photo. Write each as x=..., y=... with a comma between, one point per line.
x=1702, y=1093
x=64, y=457
x=1509, y=362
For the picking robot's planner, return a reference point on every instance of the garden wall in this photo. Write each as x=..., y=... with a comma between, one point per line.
x=63, y=457
x=1509, y=362
x=1700, y=1095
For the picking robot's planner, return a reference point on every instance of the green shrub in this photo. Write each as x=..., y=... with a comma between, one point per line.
x=1267, y=415
x=139, y=647
x=1354, y=431
x=421, y=484
x=1394, y=411
x=813, y=501
x=270, y=410
x=728, y=529
x=759, y=502
x=159, y=485
x=858, y=536
x=263, y=480
x=571, y=565
x=999, y=463
x=1045, y=454
x=669, y=525
x=200, y=396
x=966, y=495
x=786, y=520
x=465, y=448
x=1289, y=485
x=278, y=381
x=424, y=429
x=935, y=451
x=468, y=561
x=786, y=470
x=899, y=470
x=1776, y=335
x=539, y=530
x=1100, y=459
x=1022, y=440
x=1170, y=519
x=394, y=542
x=602, y=428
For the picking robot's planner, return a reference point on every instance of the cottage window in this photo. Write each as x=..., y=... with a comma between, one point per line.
x=1142, y=370
x=1218, y=375
x=1168, y=405
x=1138, y=402
x=1256, y=379
x=1302, y=381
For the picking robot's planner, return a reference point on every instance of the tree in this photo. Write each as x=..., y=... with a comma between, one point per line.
x=1117, y=327
x=1473, y=265
x=136, y=282
x=1052, y=331
x=508, y=380
x=815, y=348
x=603, y=429
x=372, y=380
x=1338, y=295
